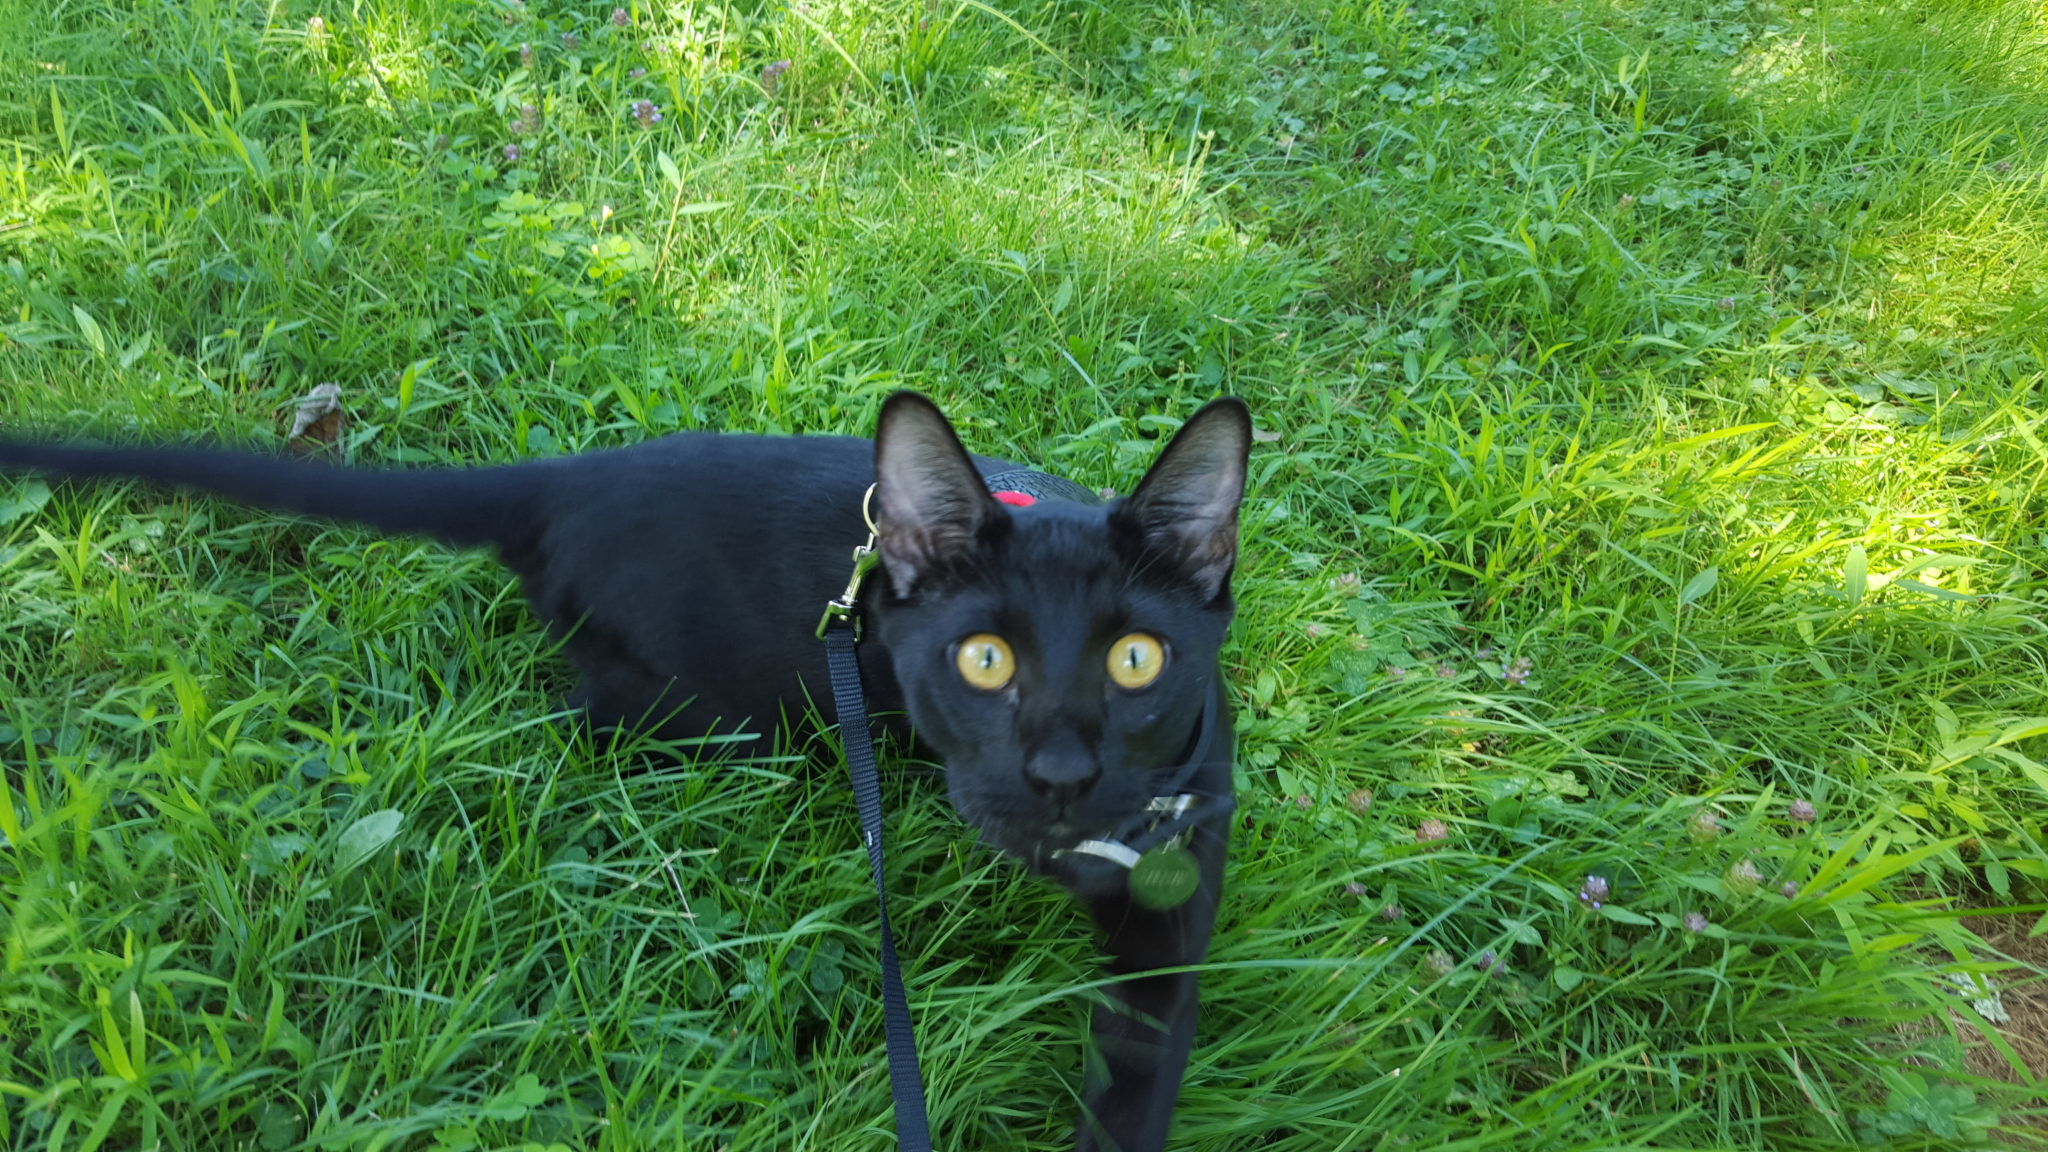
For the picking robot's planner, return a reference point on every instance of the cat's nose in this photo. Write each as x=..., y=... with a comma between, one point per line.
x=1062, y=772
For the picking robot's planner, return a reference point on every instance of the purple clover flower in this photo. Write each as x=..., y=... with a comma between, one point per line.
x=647, y=112
x=1594, y=892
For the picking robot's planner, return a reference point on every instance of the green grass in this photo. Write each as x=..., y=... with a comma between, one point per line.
x=1689, y=353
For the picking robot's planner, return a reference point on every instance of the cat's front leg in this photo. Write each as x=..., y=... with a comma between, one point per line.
x=1142, y=1034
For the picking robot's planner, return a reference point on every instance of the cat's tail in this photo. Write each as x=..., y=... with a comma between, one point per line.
x=462, y=506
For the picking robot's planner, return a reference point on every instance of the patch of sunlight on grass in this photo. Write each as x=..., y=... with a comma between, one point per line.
x=1780, y=69
x=399, y=52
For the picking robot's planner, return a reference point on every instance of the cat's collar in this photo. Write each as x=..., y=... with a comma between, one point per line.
x=1161, y=810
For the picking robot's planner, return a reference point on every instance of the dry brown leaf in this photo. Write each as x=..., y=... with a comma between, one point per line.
x=317, y=423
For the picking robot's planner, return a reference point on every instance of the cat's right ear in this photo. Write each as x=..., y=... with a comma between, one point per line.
x=933, y=504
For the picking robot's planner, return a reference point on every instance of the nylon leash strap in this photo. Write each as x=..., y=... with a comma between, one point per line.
x=839, y=628
x=906, y=1085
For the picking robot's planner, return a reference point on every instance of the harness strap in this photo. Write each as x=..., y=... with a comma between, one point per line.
x=913, y=1130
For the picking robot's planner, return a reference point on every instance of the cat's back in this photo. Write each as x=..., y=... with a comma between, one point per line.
x=803, y=479
x=709, y=479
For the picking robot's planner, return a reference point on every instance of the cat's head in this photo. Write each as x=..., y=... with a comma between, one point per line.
x=1059, y=656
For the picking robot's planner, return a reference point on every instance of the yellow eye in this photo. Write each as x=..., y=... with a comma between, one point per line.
x=1136, y=660
x=985, y=661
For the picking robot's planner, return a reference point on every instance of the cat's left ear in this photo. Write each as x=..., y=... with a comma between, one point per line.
x=934, y=507
x=1185, y=509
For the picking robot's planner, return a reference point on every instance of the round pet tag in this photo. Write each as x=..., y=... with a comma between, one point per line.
x=1165, y=877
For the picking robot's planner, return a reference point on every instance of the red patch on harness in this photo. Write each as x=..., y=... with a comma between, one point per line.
x=1016, y=499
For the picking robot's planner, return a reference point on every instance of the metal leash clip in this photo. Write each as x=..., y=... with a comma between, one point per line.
x=846, y=607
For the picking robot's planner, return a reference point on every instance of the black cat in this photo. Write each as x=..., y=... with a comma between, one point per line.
x=1059, y=656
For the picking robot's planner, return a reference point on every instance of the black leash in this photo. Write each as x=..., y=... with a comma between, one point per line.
x=839, y=628
x=913, y=1131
